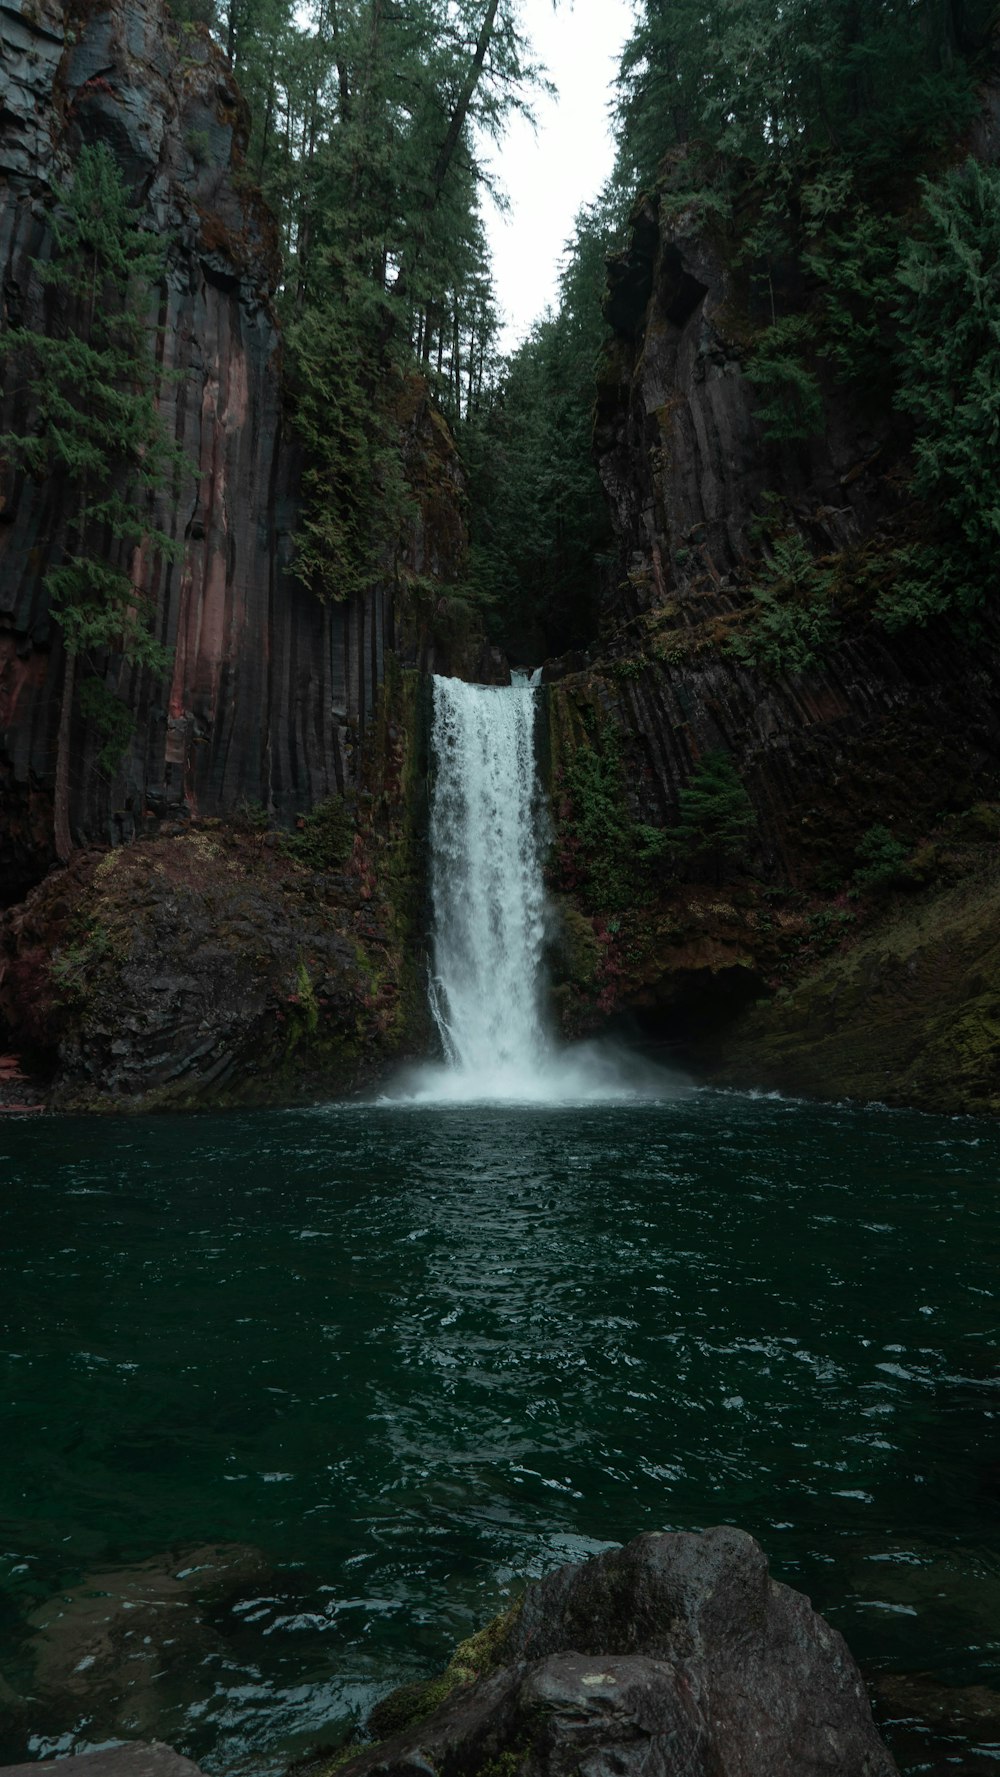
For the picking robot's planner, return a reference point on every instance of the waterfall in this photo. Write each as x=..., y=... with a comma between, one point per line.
x=487, y=836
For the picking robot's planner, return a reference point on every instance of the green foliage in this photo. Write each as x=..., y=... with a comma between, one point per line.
x=307, y=997
x=597, y=838
x=93, y=382
x=72, y=964
x=111, y=718
x=948, y=363
x=829, y=927
x=324, y=837
x=791, y=404
x=716, y=814
x=355, y=497
x=367, y=129
x=769, y=85
x=926, y=581
x=539, y=516
x=855, y=259
x=197, y=144
x=882, y=859
x=791, y=622
x=612, y=860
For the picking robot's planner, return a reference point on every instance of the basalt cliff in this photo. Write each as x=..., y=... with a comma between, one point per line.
x=245, y=914
x=200, y=955
x=847, y=944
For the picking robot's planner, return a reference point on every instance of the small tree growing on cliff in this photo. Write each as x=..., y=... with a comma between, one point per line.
x=92, y=380
x=716, y=814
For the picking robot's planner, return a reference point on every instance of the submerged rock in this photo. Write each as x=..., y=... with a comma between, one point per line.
x=934, y=1724
x=676, y=1656
x=111, y=1654
x=143, y=1758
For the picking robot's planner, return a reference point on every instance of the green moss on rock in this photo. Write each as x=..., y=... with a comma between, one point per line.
x=473, y=1659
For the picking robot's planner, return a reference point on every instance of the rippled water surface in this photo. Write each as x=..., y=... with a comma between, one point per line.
x=412, y=1353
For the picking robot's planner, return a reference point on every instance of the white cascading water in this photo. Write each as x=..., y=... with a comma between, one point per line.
x=487, y=989
x=487, y=886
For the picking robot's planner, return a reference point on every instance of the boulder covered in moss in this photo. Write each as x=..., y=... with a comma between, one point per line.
x=676, y=1656
x=209, y=967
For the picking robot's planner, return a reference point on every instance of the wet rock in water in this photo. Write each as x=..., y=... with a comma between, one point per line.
x=141, y=1759
x=108, y=1652
x=677, y=1656
x=935, y=1725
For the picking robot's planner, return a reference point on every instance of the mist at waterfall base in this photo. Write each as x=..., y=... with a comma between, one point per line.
x=488, y=836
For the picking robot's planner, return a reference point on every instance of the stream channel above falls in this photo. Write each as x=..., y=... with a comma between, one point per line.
x=412, y=1353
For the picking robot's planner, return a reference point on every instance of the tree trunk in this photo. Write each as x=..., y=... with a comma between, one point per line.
x=452, y=137
x=60, y=809
x=465, y=99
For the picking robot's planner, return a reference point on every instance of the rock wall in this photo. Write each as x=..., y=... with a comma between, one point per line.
x=270, y=693
x=885, y=723
x=899, y=732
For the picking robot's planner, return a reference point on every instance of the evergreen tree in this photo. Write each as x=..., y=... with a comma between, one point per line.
x=762, y=85
x=716, y=814
x=386, y=250
x=540, y=524
x=93, y=379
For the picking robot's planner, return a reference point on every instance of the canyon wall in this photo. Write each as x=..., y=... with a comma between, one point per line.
x=893, y=735
x=270, y=693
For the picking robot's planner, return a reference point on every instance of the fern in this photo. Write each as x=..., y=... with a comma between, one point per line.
x=792, y=622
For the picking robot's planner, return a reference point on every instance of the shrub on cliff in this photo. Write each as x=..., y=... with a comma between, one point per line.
x=948, y=359
x=716, y=815
x=791, y=621
x=93, y=384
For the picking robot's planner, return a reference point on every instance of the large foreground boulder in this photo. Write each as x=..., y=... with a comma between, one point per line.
x=677, y=1656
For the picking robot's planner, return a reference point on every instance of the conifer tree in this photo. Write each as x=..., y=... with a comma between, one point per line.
x=92, y=381
x=716, y=814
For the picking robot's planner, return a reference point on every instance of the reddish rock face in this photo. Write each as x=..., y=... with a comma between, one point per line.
x=269, y=691
x=116, y=75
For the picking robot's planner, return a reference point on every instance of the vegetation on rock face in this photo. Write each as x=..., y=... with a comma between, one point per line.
x=716, y=814
x=365, y=119
x=948, y=358
x=793, y=618
x=596, y=853
x=816, y=141
x=93, y=382
x=770, y=89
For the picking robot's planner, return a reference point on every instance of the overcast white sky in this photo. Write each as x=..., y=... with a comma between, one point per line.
x=549, y=175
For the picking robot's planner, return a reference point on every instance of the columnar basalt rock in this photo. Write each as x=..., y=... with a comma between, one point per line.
x=682, y=454
x=163, y=100
x=889, y=732
x=269, y=692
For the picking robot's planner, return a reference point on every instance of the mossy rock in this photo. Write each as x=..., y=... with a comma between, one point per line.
x=473, y=1659
x=577, y=953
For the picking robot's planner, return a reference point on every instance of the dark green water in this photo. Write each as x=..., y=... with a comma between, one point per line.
x=412, y=1353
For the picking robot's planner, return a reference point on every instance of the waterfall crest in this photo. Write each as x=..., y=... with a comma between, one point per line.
x=487, y=836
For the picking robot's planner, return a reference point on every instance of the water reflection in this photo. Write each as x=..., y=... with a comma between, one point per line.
x=408, y=1353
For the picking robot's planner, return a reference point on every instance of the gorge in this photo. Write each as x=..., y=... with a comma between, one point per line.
x=542, y=813
x=284, y=708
